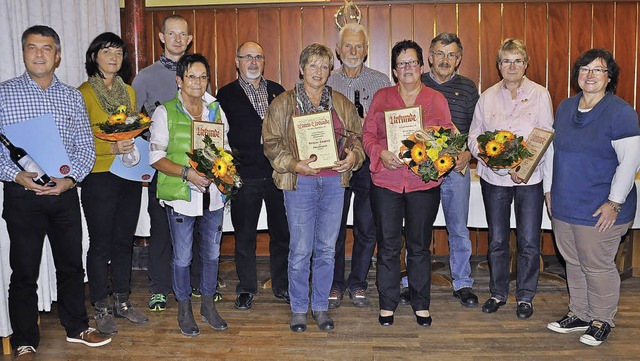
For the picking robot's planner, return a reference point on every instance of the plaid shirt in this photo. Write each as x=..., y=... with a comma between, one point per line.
x=22, y=99
x=259, y=98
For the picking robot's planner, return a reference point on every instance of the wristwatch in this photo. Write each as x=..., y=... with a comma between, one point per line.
x=616, y=207
x=185, y=173
x=73, y=181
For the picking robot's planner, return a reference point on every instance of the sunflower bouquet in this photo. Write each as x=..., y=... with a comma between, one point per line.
x=431, y=153
x=216, y=164
x=123, y=125
x=501, y=149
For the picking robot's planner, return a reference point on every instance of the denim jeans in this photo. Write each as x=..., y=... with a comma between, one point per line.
x=528, y=202
x=208, y=229
x=455, y=190
x=364, y=234
x=314, y=211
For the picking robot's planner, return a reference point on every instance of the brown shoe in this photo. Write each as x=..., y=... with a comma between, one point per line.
x=25, y=353
x=90, y=337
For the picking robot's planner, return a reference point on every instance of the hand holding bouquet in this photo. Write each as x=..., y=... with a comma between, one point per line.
x=431, y=153
x=502, y=150
x=216, y=164
x=123, y=125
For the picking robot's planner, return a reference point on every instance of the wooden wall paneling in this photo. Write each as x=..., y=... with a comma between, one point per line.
x=152, y=37
x=204, y=38
x=379, y=29
x=558, y=52
x=482, y=241
x=423, y=28
x=331, y=30
x=537, y=39
x=440, y=243
x=490, y=40
x=269, y=38
x=290, y=44
x=581, y=33
x=469, y=34
x=247, y=25
x=401, y=23
x=313, y=28
x=226, y=40
x=625, y=50
x=603, y=25
x=547, y=246
x=513, y=21
x=446, y=19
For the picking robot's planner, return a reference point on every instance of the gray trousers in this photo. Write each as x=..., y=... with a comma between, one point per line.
x=592, y=276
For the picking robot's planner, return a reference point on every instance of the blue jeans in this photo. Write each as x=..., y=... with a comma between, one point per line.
x=208, y=228
x=455, y=190
x=314, y=211
x=364, y=234
x=528, y=202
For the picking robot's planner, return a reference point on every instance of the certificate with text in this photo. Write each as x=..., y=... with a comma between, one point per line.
x=537, y=144
x=215, y=131
x=400, y=124
x=315, y=136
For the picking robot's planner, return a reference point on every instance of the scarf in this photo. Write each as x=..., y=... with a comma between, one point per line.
x=111, y=99
x=305, y=106
x=168, y=63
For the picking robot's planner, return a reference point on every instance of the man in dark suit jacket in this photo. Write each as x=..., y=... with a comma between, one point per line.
x=245, y=102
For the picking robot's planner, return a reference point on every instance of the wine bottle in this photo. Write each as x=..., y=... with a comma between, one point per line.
x=358, y=105
x=24, y=161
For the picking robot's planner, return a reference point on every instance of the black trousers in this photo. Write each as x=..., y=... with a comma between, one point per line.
x=245, y=211
x=419, y=210
x=29, y=217
x=160, y=249
x=111, y=207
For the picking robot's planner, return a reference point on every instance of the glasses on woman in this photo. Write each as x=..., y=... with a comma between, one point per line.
x=193, y=78
x=404, y=64
x=508, y=62
x=440, y=55
x=595, y=71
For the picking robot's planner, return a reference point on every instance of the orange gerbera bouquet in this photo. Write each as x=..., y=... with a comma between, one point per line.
x=431, y=153
x=216, y=164
x=501, y=149
x=123, y=125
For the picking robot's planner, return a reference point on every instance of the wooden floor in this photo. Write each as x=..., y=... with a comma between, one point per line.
x=262, y=333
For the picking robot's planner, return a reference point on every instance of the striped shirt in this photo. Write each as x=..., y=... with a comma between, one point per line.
x=259, y=98
x=368, y=82
x=462, y=96
x=22, y=99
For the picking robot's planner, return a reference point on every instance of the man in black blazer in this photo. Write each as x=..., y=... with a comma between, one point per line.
x=245, y=102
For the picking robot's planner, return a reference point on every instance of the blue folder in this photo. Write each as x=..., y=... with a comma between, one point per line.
x=141, y=172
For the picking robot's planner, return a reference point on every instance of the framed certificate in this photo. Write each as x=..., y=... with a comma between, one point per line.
x=400, y=124
x=315, y=135
x=537, y=144
x=199, y=129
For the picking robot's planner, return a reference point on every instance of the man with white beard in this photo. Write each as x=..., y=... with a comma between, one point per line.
x=245, y=102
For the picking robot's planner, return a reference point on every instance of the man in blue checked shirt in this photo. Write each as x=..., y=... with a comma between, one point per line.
x=32, y=210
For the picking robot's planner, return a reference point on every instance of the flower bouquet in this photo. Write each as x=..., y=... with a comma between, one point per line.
x=502, y=150
x=216, y=164
x=431, y=153
x=122, y=125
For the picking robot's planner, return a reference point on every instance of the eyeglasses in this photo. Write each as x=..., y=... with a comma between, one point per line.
x=192, y=78
x=440, y=55
x=250, y=57
x=411, y=63
x=595, y=71
x=516, y=62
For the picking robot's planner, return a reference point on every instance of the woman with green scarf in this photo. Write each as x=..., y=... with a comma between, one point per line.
x=111, y=204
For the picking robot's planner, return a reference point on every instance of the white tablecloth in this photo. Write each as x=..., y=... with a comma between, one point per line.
x=47, y=291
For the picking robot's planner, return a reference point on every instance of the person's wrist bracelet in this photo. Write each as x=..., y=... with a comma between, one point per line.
x=616, y=207
x=185, y=173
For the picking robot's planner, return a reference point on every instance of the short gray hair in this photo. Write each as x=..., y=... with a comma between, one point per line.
x=354, y=28
x=316, y=50
x=446, y=39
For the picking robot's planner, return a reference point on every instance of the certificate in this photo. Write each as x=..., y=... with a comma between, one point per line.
x=199, y=130
x=141, y=172
x=537, y=144
x=400, y=124
x=315, y=136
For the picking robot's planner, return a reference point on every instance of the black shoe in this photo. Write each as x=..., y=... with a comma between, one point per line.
x=569, y=323
x=282, y=295
x=405, y=296
x=385, y=320
x=243, y=301
x=467, y=297
x=492, y=305
x=597, y=332
x=423, y=321
x=524, y=310
x=298, y=322
x=335, y=297
x=325, y=323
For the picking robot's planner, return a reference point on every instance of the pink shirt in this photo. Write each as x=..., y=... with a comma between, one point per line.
x=435, y=111
x=496, y=109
